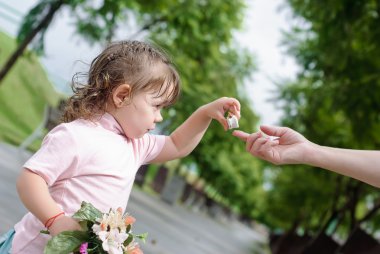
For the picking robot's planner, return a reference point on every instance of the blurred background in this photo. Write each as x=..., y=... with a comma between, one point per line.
x=310, y=65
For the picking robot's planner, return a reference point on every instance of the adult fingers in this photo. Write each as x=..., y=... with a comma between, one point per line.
x=252, y=140
x=256, y=148
x=266, y=147
x=241, y=134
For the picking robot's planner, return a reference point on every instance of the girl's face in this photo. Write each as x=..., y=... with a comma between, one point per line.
x=140, y=115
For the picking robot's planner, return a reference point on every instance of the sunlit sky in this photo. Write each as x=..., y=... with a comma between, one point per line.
x=261, y=34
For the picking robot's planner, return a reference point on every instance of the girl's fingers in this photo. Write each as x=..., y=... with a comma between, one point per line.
x=222, y=120
x=235, y=103
x=233, y=106
x=236, y=111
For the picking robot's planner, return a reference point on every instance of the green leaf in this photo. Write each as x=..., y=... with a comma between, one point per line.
x=45, y=232
x=66, y=242
x=87, y=212
x=142, y=237
x=96, y=248
x=84, y=226
x=129, y=240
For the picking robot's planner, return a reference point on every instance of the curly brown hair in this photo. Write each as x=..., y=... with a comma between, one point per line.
x=139, y=64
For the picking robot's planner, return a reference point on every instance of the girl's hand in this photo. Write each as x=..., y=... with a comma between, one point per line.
x=63, y=223
x=290, y=147
x=218, y=109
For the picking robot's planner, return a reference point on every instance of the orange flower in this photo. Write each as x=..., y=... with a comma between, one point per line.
x=135, y=250
x=129, y=220
x=103, y=226
x=119, y=210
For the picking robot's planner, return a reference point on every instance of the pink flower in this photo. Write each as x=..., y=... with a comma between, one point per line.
x=83, y=248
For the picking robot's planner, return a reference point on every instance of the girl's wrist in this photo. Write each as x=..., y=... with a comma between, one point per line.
x=50, y=221
x=204, y=112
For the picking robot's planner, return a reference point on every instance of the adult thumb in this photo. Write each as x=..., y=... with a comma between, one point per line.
x=273, y=130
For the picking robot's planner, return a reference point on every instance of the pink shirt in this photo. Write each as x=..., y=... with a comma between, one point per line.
x=85, y=161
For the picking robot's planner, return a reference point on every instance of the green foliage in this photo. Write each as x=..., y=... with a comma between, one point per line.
x=333, y=102
x=297, y=195
x=65, y=242
x=211, y=67
x=31, y=21
x=24, y=94
x=339, y=50
x=88, y=216
x=35, y=17
x=142, y=237
x=87, y=212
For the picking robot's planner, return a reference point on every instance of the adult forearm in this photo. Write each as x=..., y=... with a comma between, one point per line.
x=188, y=135
x=358, y=164
x=35, y=195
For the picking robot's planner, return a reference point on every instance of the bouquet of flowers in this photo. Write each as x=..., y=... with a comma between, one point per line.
x=102, y=233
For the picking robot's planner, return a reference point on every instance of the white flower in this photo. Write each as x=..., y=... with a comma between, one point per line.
x=113, y=240
x=111, y=230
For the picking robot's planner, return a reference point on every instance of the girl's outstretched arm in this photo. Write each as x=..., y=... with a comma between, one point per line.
x=188, y=135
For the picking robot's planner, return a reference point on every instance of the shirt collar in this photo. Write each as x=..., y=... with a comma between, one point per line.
x=107, y=121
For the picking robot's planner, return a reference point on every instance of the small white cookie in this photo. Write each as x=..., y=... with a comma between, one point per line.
x=272, y=138
x=232, y=122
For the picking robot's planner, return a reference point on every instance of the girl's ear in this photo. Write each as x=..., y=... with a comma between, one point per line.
x=121, y=94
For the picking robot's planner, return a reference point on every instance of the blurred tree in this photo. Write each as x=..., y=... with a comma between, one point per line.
x=335, y=101
x=34, y=24
x=338, y=47
x=211, y=66
x=199, y=36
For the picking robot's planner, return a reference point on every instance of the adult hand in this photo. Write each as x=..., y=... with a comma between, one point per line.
x=288, y=146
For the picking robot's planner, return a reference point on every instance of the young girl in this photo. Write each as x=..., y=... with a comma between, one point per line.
x=95, y=154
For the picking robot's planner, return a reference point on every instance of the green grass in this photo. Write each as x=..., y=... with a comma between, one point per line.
x=23, y=94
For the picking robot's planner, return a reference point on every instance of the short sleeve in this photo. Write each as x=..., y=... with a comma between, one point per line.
x=150, y=146
x=57, y=158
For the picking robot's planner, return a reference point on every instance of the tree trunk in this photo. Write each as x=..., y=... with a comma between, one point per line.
x=22, y=46
x=354, y=202
x=334, y=211
x=368, y=216
x=283, y=238
x=352, y=192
